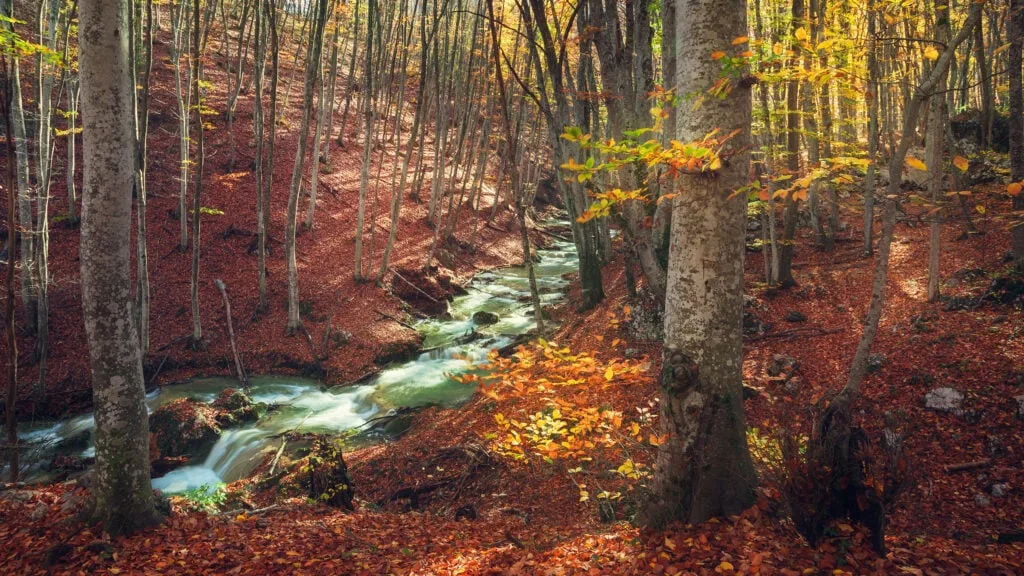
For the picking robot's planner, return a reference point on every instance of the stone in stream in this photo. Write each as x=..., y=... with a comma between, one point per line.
x=236, y=406
x=184, y=427
x=485, y=318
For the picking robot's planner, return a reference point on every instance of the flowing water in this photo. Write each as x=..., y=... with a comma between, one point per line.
x=451, y=345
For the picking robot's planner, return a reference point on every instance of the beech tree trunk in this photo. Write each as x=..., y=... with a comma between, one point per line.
x=704, y=468
x=123, y=498
x=1015, y=31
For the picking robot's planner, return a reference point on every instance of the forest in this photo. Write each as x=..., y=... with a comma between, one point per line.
x=512, y=287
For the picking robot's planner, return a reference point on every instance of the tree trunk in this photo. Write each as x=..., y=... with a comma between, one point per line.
x=10, y=328
x=25, y=220
x=704, y=468
x=872, y=97
x=197, y=71
x=364, y=176
x=123, y=498
x=1015, y=31
x=789, y=215
x=316, y=39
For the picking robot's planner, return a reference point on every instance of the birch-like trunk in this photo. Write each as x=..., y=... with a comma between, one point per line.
x=704, y=468
x=122, y=495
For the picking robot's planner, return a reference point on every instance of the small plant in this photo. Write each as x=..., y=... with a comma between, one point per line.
x=205, y=498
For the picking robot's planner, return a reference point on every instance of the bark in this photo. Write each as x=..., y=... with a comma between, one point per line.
x=872, y=96
x=24, y=187
x=1015, y=31
x=123, y=498
x=704, y=468
x=10, y=329
x=789, y=215
x=316, y=40
x=197, y=72
x=142, y=293
x=935, y=154
x=364, y=176
x=985, y=79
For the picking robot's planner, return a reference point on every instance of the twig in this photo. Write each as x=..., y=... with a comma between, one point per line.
x=248, y=512
x=809, y=331
x=231, y=334
x=969, y=465
x=515, y=541
x=273, y=465
x=390, y=317
x=418, y=289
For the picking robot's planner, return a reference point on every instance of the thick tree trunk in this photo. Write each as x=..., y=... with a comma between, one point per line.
x=1015, y=31
x=123, y=498
x=704, y=468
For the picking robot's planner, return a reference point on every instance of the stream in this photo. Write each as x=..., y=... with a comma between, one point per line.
x=452, y=345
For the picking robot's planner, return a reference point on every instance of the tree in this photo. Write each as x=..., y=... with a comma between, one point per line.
x=1015, y=31
x=122, y=496
x=704, y=467
x=316, y=40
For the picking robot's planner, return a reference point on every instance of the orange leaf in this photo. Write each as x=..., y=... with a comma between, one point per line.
x=1015, y=188
x=961, y=163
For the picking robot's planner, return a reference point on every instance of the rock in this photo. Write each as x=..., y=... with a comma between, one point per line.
x=783, y=365
x=631, y=353
x=749, y=392
x=944, y=400
x=468, y=512
x=793, y=385
x=485, y=318
x=38, y=512
x=875, y=362
x=75, y=443
x=796, y=316
x=1020, y=406
x=184, y=427
x=236, y=406
x=982, y=500
x=999, y=489
x=426, y=290
x=399, y=350
x=231, y=399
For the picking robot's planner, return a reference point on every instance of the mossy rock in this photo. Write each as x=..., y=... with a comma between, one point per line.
x=184, y=427
x=235, y=406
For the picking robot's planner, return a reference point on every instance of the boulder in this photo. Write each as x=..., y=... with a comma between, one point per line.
x=184, y=427
x=944, y=399
x=783, y=365
x=235, y=406
x=1020, y=406
x=796, y=316
x=485, y=318
x=875, y=362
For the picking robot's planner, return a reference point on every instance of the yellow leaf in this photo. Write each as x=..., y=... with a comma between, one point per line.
x=961, y=163
x=716, y=163
x=669, y=543
x=240, y=518
x=916, y=164
x=931, y=53
x=980, y=208
x=801, y=33
x=609, y=374
x=1015, y=188
x=725, y=568
x=626, y=468
x=741, y=39
x=826, y=44
x=999, y=50
x=778, y=49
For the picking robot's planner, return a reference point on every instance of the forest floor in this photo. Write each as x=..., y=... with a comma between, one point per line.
x=484, y=505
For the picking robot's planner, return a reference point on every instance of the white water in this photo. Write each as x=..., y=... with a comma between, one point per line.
x=454, y=345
